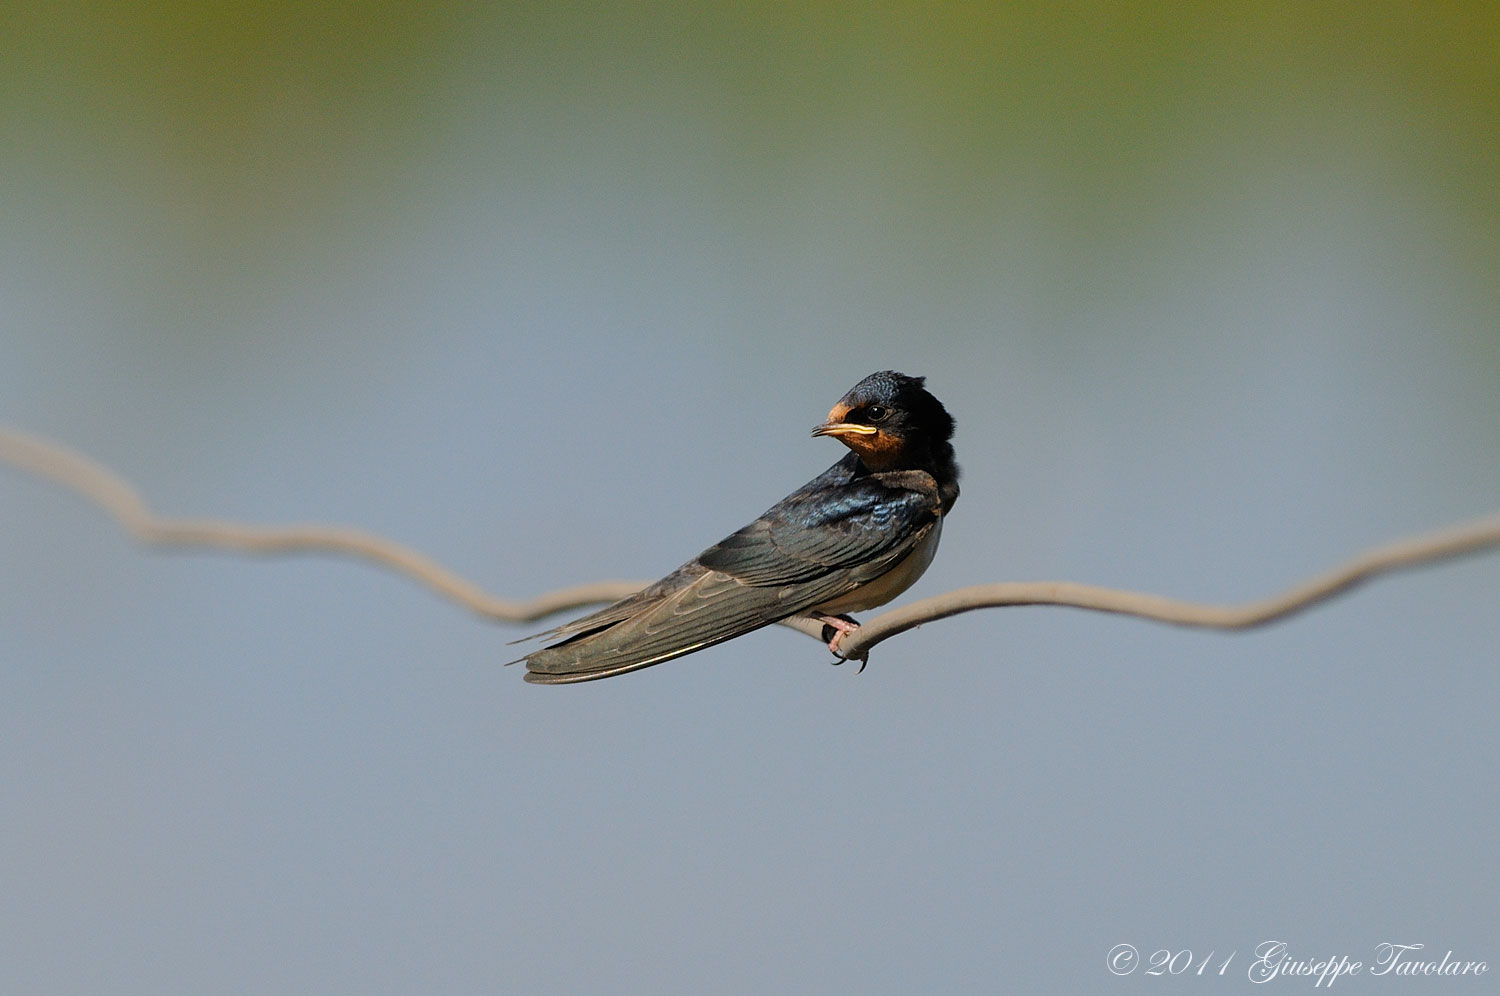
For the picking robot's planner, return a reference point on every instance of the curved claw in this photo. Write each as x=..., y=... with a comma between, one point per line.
x=834, y=628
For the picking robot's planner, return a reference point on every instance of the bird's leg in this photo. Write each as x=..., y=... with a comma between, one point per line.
x=834, y=628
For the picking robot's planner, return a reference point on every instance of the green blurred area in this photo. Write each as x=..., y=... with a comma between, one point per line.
x=227, y=135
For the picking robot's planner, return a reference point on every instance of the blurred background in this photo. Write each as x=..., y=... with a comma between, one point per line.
x=554, y=294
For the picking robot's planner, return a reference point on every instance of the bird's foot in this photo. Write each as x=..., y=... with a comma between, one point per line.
x=834, y=629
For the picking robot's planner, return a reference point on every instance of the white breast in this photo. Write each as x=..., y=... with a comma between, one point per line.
x=893, y=582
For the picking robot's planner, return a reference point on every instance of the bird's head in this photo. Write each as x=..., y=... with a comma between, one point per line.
x=891, y=421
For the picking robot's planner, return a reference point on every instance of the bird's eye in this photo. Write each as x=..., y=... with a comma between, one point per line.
x=877, y=413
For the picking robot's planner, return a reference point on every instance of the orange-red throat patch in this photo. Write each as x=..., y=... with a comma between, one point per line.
x=878, y=450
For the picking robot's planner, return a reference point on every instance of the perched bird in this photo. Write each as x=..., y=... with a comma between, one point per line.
x=852, y=538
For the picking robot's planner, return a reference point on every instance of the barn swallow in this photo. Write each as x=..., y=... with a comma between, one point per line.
x=852, y=538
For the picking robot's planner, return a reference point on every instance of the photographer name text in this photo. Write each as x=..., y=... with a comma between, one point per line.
x=1273, y=960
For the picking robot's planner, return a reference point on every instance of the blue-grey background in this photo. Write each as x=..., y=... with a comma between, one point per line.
x=555, y=295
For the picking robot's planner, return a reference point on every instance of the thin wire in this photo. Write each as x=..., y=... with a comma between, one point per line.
x=116, y=496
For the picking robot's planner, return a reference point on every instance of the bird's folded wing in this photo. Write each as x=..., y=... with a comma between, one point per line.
x=805, y=536
x=800, y=554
